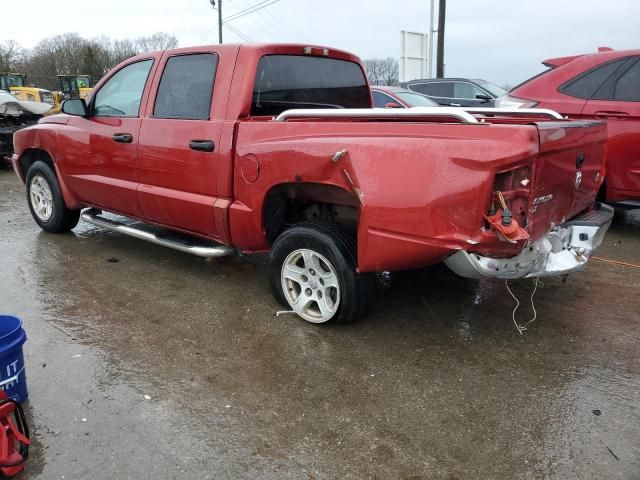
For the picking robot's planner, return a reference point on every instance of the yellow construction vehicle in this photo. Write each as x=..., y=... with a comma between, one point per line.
x=16, y=85
x=75, y=86
x=71, y=86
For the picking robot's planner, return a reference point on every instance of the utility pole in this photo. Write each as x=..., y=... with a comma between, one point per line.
x=431, y=32
x=442, y=8
x=213, y=4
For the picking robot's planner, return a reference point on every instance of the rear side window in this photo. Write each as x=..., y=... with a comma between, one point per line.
x=380, y=99
x=628, y=86
x=186, y=87
x=435, y=89
x=121, y=95
x=585, y=85
x=290, y=81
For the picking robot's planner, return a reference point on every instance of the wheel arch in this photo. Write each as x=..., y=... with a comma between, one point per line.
x=285, y=204
x=32, y=155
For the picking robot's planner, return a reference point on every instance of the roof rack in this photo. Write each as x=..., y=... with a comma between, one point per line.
x=463, y=114
x=514, y=111
x=415, y=112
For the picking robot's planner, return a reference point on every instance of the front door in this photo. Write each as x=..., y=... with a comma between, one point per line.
x=100, y=154
x=180, y=144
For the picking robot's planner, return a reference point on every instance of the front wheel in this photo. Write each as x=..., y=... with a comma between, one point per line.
x=312, y=270
x=45, y=200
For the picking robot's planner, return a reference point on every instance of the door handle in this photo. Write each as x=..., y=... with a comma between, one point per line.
x=202, y=145
x=610, y=114
x=122, y=137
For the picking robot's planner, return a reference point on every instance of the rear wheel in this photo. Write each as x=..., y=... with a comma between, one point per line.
x=46, y=202
x=312, y=270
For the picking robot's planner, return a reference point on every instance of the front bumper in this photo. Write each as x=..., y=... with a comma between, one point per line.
x=565, y=249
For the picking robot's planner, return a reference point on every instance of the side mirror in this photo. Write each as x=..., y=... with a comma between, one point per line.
x=392, y=105
x=481, y=96
x=75, y=106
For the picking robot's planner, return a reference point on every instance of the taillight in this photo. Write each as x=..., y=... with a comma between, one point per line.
x=507, y=101
x=509, y=202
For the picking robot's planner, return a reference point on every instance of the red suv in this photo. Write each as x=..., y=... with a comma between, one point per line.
x=603, y=85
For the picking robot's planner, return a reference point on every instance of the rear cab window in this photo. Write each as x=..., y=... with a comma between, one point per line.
x=284, y=82
x=186, y=87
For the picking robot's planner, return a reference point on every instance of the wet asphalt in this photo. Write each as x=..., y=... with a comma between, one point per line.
x=146, y=363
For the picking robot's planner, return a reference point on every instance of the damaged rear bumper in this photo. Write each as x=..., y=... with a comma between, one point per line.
x=563, y=250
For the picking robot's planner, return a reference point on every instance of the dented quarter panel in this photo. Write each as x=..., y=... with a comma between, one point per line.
x=424, y=187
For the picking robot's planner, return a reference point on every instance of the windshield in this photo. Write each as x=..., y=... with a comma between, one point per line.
x=415, y=99
x=11, y=80
x=494, y=90
x=293, y=81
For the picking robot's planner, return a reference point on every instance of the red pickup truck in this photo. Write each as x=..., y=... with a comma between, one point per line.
x=275, y=148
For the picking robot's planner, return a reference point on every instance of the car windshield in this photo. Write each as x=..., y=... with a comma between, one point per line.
x=494, y=90
x=415, y=99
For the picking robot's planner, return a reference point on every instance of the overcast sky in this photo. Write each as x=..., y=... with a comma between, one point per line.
x=503, y=41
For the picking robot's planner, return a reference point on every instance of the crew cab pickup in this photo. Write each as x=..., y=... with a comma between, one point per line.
x=275, y=148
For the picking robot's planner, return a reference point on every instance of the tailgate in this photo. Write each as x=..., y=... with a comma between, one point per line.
x=567, y=172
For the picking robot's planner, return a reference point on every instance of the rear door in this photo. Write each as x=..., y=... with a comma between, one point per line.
x=100, y=154
x=618, y=102
x=180, y=144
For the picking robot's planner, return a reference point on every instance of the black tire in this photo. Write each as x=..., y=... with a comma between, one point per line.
x=339, y=248
x=62, y=219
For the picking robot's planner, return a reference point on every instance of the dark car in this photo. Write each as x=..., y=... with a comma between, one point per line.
x=457, y=92
x=603, y=85
x=396, y=97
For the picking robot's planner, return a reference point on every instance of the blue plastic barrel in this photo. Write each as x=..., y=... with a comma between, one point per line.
x=13, y=378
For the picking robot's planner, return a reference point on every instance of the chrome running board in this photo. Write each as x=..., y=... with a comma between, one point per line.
x=93, y=217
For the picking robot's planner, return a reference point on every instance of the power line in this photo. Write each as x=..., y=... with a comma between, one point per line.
x=255, y=8
x=285, y=25
x=237, y=32
x=268, y=25
x=251, y=7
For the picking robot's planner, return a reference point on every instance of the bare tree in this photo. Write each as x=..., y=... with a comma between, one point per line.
x=157, y=41
x=390, y=71
x=11, y=55
x=382, y=71
x=71, y=54
x=374, y=73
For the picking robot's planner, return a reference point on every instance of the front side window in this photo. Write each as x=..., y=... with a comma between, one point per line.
x=292, y=81
x=466, y=90
x=586, y=84
x=186, y=87
x=121, y=95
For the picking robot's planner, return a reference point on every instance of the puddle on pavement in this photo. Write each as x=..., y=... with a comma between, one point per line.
x=436, y=379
